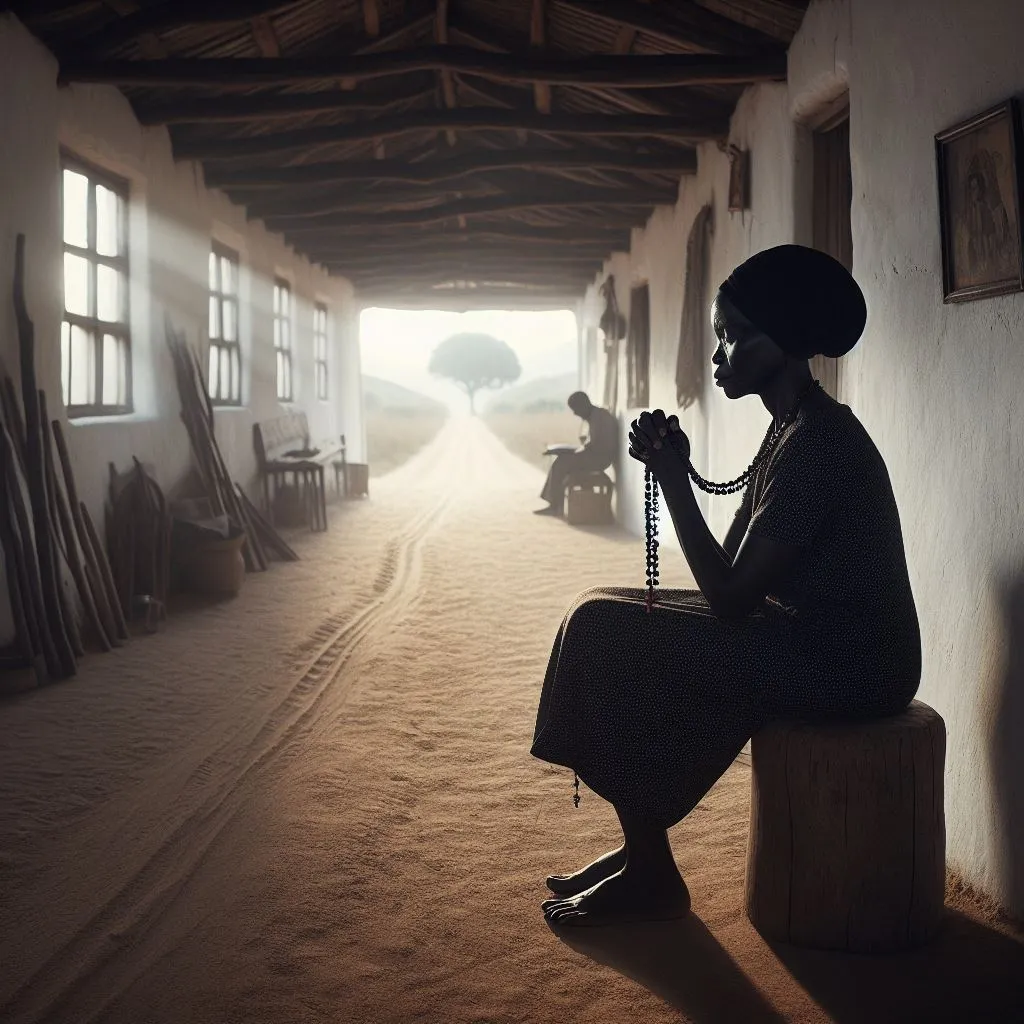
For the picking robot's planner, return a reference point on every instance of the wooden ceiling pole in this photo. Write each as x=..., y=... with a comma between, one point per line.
x=665, y=160
x=626, y=71
x=371, y=18
x=588, y=126
x=264, y=36
x=541, y=90
x=447, y=81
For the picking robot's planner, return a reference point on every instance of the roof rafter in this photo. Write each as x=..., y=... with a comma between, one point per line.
x=475, y=119
x=624, y=71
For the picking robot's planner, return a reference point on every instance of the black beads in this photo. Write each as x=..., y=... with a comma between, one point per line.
x=576, y=790
x=651, y=533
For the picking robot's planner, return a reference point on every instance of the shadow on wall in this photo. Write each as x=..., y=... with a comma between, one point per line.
x=1007, y=745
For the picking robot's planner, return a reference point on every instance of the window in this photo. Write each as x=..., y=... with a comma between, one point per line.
x=283, y=338
x=225, y=369
x=638, y=348
x=95, y=349
x=320, y=349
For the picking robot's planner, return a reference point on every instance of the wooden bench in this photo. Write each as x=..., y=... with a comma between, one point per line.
x=351, y=479
x=847, y=841
x=588, y=498
x=285, y=457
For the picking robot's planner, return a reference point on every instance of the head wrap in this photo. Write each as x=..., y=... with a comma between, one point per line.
x=803, y=299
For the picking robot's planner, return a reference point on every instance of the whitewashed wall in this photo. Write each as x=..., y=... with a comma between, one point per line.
x=938, y=386
x=172, y=220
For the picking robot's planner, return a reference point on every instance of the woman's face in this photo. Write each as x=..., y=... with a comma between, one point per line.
x=746, y=358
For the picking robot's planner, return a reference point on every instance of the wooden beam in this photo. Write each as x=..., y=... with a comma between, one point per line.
x=265, y=37
x=477, y=119
x=509, y=232
x=412, y=197
x=551, y=199
x=623, y=71
x=461, y=301
x=486, y=260
x=541, y=90
x=447, y=81
x=371, y=18
x=683, y=24
x=664, y=160
x=212, y=109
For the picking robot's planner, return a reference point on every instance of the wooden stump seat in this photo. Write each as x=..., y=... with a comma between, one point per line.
x=847, y=840
x=589, y=499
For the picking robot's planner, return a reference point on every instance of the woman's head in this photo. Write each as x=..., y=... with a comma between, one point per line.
x=783, y=305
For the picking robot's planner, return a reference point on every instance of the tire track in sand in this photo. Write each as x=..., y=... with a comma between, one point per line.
x=116, y=879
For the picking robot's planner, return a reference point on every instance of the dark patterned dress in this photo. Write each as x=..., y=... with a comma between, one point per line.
x=650, y=709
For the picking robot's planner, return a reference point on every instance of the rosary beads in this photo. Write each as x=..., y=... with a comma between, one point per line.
x=708, y=486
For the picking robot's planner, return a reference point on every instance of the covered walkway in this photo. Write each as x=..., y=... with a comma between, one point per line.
x=318, y=805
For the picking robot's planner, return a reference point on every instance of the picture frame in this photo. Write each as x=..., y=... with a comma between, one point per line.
x=980, y=199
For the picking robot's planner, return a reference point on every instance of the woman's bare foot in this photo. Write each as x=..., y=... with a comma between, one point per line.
x=606, y=865
x=623, y=898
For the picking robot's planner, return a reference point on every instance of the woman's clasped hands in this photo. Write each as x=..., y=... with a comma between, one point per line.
x=659, y=442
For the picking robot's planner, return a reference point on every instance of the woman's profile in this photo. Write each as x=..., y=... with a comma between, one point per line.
x=804, y=610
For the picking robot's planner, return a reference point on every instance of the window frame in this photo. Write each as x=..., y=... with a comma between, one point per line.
x=220, y=343
x=96, y=327
x=282, y=352
x=321, y=350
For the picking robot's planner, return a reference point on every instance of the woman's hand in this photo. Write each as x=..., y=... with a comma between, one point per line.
x=659, y=443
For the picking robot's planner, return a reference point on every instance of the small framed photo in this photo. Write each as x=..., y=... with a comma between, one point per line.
x=980, y=190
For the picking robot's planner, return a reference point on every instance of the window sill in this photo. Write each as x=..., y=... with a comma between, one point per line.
x=229, y=408
x=108, y=418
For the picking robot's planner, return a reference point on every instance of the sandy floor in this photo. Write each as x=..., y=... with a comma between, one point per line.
x=315, y=803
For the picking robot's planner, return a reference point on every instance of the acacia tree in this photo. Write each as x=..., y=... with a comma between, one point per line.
x=475, y=362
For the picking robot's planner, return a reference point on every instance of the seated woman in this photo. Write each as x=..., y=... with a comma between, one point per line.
x=804, y=611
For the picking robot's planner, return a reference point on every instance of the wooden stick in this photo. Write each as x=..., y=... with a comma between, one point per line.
x=13, y=418
x=53, y=597
x=65, y=543
x=104, y=596
x=270, y=536
x=99, y=557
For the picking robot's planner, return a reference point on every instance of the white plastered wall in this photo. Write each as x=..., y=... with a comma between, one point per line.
x=172, y=220
x=938, y=386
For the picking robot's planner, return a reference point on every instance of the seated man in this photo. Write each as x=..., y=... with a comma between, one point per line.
x=598, y=453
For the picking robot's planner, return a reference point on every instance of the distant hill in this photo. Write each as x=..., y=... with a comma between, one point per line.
x=385, y=394
x=545, y=394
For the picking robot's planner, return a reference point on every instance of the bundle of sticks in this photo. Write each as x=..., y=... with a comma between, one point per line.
x=226, y=497
x=43, y=524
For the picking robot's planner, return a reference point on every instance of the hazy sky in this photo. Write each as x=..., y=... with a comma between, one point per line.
x=396, y=343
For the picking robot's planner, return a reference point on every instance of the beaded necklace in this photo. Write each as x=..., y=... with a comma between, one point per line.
x=708, y=486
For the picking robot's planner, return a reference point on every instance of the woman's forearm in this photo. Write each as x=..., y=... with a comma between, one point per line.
x=708, y=560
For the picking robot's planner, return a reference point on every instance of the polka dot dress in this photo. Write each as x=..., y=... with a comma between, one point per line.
x=650, y=709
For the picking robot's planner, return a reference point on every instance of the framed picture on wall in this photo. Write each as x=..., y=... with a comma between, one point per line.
x=980, y=190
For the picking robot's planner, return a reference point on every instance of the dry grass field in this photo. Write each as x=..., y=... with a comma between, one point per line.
x=527, y=434
x=394, y=435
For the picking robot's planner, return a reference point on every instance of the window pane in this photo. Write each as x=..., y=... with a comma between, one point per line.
x=76, y=284
x=277, y=298
x=109, y=294
x=287, y=377
x=83, y=367
x=76, y=209
x=285, y=301
x=114, y=376
x=65, y=361
x=229, y=327
x=214, y=317
x=225, y=373
x=228, y=285
x=214, y=376
x=212, y=271
x=286, y=335
x=280, y=374
x=236, y=375
x=108, y=222
x=277, y=333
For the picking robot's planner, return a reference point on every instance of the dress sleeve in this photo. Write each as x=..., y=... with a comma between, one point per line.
x=799, y=490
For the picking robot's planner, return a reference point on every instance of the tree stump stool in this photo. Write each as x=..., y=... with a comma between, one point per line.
x=589, y=499
x=847, y=841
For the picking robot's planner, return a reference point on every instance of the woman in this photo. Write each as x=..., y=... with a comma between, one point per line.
x=804, y=611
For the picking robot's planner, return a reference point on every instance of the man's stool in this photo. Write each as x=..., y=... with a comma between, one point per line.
x=847, y=841
x=589, y=499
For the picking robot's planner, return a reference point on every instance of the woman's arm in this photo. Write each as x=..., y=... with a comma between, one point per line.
x=733, y=586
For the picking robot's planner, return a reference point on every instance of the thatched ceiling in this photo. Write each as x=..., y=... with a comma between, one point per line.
x=444, y=152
